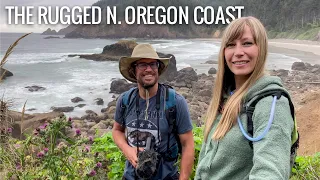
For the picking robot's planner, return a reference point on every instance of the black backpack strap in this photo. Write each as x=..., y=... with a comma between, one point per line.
x=250, y=109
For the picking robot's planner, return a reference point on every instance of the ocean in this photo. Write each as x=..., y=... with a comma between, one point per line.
x=45, y=63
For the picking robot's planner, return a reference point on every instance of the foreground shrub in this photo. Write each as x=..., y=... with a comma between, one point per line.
x=307, y=167
x=49, y=154
x=116, y=160
x=113, y=156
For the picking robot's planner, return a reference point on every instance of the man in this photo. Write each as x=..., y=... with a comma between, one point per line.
x=144, y=124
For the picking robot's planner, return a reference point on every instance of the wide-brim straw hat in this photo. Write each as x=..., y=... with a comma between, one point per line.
x=141, y=51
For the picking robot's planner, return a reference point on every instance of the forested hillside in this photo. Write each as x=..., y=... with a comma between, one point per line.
x=283, y=19
x=289, y=18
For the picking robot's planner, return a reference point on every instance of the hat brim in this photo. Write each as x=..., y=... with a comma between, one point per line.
x=125, y=63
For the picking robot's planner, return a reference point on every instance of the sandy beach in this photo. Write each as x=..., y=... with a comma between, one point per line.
x=307, y=51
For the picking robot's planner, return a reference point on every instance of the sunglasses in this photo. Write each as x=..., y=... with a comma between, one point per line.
x=144, y=66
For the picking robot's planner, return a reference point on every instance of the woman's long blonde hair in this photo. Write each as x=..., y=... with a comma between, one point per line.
x=225, y=78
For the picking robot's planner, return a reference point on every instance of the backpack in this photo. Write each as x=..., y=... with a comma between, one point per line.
x=295, y=134
x=170, y=112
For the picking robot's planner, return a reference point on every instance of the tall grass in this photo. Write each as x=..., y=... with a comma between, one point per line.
x=5, y=120
x=7, y=54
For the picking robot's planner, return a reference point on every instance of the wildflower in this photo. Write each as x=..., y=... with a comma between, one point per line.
x=90, y=138
x=99, y=165
x=38, y=129
x=18, y=166
x=87, y=149
x=69, y=119
x=45, y=150
x=9, y=130
x=78, y=132
x=43, y=126
x=92, y=173
x=40, y=154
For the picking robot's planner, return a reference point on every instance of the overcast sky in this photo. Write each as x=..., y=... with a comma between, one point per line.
x=5, y=27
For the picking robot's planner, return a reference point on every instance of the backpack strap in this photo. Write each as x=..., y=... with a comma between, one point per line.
x=171, y=116
x=278, y=93
x=250, y=109
x=125, y=103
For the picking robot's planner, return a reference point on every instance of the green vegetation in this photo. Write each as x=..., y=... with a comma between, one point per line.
x=49, y=154
x=307, y=167
x=302, y=34
x=113, y=155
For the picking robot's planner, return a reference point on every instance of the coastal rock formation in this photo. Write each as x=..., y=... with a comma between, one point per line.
x=76, y=99
x=171, y=71
x=52, y=37
x=212, y=71
x=99, y=101
x=35, y=88
x=93, y=116
x=282, y=73
x=67, y=30
x=80, y=105
x=185, y=77
x=62, y=109
x=120, y=85
x=111, y=52
x=299, y=66
x=62, y=31
x=211, y=62
x=121, y=48
x=6, y=73
x=49, y=32
x=30, y=121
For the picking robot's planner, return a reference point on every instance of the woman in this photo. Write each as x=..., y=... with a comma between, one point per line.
x=226, y=153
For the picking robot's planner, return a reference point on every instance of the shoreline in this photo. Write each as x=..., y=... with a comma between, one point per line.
x=305, y=50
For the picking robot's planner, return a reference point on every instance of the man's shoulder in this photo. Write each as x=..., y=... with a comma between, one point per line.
x=121, y=100
x=127, y=93
x=179, y=97
x=180, y=100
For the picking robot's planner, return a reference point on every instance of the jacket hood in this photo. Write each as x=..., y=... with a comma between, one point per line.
x=265, y=83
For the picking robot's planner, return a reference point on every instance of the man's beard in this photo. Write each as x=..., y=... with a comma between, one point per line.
x=147, y=85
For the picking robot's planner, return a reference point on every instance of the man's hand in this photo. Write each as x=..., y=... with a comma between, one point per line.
x=131, y=155
x=120, y=140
